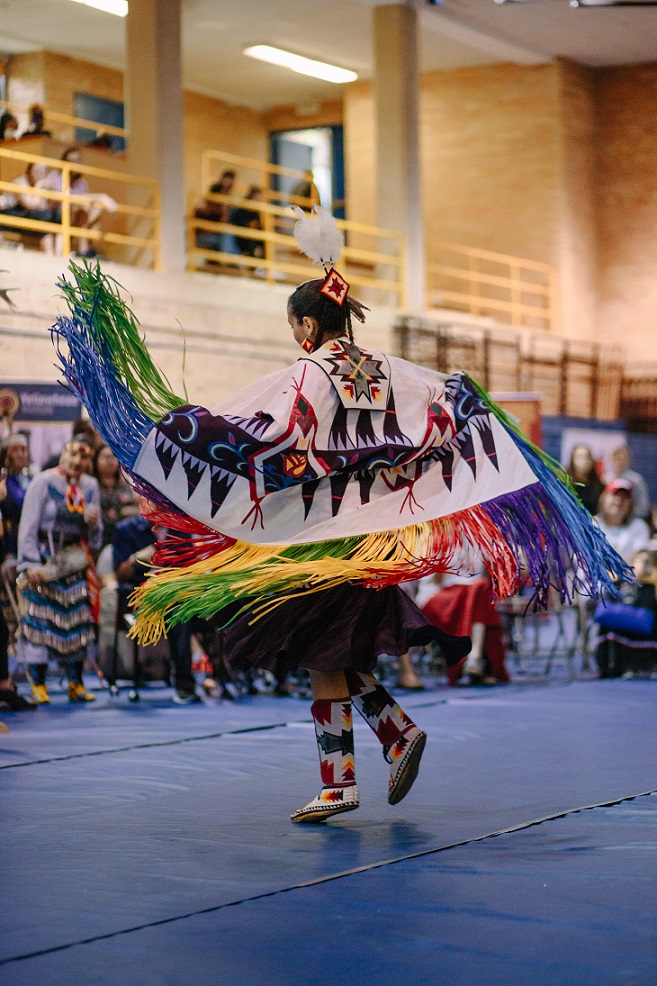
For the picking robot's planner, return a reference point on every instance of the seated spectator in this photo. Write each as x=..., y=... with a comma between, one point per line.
x=251, y=219
x=86, y=207
x=134, y=544
x=584, y=475
x=217, y=212
x=464, y=606
x=28, y=205
x=621, y=461
x=627, y=646
x=8, y=126
x=625, y=532
x=37, y=123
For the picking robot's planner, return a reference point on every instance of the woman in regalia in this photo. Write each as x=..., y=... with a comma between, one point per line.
x=300, y=504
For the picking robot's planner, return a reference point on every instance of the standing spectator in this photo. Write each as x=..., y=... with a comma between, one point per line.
x=134, y=544
x=15, y=478
x=59, y=525
x=620, y=463
x=13, y=483
x=584, y=475
x=116, y=498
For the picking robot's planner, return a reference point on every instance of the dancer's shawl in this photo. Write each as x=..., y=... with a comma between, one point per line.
x=347, y=466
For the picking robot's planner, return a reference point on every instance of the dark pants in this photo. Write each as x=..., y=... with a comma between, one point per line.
x=4, y=645
x=180, y=652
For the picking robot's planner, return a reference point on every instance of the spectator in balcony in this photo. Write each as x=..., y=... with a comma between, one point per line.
x=8, y=126
x=625, y=532
x=217, y=212
x=28, y=204
x=88, y=207
x=37, y=126
x=251, y=219
x=621, y=461
x=582, y=470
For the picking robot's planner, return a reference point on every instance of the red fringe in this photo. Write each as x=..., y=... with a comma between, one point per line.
x=175, y=550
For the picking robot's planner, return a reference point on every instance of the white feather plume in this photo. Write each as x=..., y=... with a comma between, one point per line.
x=318, y=237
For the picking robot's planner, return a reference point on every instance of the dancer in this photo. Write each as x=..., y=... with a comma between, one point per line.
x=59, y=525
x=303, y=501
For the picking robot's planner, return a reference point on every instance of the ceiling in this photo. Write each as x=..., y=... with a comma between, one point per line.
x=456, y=34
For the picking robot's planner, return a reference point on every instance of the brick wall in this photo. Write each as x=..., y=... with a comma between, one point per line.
x=627, y=206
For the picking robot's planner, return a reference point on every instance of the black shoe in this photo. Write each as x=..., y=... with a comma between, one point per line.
x=14, y=702
x=185, y=698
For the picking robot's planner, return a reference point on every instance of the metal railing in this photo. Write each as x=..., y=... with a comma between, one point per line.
x=260, y=173
x=381, y=267
x=577, y=379
x=509, y=289
x=135, y=220
x=69, y=122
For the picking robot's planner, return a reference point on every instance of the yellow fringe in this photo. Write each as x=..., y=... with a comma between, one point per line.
x=404, y=552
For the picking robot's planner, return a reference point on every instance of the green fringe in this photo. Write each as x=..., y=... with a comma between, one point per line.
x=95, y=301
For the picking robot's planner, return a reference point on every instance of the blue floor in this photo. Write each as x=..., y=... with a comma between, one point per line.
x=151, y=844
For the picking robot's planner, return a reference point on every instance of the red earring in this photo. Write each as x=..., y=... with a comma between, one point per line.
x=307, y=344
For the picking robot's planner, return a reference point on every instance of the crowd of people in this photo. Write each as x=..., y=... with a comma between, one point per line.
x=27, y=202
x=74, y=546
x=240, y=214
x=221, y=211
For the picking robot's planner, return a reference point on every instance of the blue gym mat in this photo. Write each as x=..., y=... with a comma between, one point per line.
x=151, y=844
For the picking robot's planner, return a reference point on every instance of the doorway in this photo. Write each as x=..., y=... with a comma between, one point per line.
x=319, y=150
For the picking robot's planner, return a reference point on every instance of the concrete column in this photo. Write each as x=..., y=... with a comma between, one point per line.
x=396, y=98
x=154, y=115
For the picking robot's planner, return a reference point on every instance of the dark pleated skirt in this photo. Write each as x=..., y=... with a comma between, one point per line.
x=345, y=627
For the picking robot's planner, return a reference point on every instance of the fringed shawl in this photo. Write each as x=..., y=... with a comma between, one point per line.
x=347, y=466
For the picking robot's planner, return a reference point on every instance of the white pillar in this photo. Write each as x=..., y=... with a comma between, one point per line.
x=396, y=98
x=154, y=115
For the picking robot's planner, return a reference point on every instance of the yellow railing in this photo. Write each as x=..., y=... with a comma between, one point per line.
x=214, y=161
x=482, y=282
x=381, y=267
x=135, y=222
x=69, y=122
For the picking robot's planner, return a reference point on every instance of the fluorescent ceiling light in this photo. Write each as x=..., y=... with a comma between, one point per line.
x=118, y=7
x=297, y=63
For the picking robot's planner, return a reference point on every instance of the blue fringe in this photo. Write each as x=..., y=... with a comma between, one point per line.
x=90, y=375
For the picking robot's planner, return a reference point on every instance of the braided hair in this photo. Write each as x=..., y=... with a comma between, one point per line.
x=332, y=319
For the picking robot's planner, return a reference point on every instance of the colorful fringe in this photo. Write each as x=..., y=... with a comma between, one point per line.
x=107, y=365
x=520, y=537
x=540, y=533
